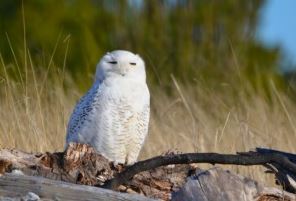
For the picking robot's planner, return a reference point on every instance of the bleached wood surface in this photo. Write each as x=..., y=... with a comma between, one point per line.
x=218, y=184
x=17, y=186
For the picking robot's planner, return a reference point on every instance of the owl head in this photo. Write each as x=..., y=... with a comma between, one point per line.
x=121, y=63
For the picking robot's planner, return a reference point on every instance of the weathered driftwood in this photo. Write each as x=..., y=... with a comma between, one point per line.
x=78, y=164
x=217, y=184
x=274, y=194
x=17, y=186
x=248, y=158
x=81, y=164
x=284, y=177
x=155, y=177
x=210, y=185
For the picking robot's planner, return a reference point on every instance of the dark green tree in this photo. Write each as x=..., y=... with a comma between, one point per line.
x=206, y=39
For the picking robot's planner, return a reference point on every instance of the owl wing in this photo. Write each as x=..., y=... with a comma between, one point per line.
x=137, y=134
x=81, y=113
x=143, y=122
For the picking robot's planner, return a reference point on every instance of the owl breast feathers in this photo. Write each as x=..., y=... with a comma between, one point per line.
x=113, y=115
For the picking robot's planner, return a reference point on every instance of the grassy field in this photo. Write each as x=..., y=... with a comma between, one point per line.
x=35, y=110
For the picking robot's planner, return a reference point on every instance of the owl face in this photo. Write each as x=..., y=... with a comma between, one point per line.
x=121, y=63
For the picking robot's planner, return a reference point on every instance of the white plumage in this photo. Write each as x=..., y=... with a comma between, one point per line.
x=113, y=115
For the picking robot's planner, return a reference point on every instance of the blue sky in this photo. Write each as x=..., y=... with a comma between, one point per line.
x=278, y=25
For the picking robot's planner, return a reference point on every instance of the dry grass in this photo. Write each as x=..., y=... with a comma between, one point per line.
x=33, y=120
x=222, y=122
x=34, y=114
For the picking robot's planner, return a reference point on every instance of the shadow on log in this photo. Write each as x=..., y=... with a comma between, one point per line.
x=159, y=177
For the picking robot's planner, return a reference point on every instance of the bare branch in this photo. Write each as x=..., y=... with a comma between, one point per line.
x=249, y=158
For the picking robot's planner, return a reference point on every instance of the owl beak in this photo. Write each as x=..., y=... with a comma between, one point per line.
x=122, y=71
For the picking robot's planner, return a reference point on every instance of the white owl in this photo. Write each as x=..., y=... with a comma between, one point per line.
x=113, y=115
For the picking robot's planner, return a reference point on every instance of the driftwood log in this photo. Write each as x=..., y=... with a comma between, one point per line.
x=81, y=164
x=21, y=187
x=171, y=176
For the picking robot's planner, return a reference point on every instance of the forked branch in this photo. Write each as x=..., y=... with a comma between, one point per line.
x=246, y=159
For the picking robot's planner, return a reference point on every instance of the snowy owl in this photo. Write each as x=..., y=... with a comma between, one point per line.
x=113, y=115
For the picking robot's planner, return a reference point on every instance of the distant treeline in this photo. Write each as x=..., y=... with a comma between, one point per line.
x=207, y=40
